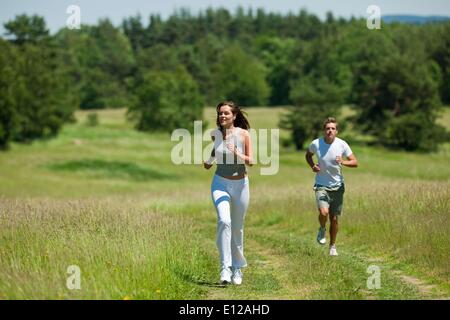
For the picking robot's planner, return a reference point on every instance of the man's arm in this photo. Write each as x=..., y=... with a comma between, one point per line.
x=351, y=161
x=310, y=161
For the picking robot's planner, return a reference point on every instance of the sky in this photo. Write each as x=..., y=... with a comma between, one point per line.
x=54, y=11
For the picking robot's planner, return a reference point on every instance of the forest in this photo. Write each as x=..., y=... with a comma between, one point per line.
x=164, y=72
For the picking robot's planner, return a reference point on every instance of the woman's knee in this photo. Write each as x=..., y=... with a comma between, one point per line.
x=224, y=222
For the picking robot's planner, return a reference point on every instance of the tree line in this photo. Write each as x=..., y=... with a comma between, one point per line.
x=165, y=71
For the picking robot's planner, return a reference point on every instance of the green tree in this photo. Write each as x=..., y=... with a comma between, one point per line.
x=43, y=105
x=166, y=101
x=101, y=62
x=320, y=85
x=36, y=98
x=135, y=31
x=396, y=85
x=10, y=89
x=158, y=57
x=314, y=101
x=208, y=51
x=437, y=39
x=276, y=54
x=116, y=56
x=26, y=28
x=240, y=77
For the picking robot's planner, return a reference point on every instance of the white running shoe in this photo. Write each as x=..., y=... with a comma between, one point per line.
x=225, y=276
x=321, y=236
x=333, y=251
x=237, y=276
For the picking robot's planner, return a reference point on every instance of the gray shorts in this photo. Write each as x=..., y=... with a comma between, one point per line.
x=333, y=199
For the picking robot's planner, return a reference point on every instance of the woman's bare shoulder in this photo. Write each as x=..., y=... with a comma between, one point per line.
x=245, y=133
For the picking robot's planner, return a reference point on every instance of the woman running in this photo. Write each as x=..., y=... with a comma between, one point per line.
x=230, y=187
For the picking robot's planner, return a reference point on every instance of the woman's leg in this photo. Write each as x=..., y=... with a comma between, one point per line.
x=221, y=199
x=239, y=203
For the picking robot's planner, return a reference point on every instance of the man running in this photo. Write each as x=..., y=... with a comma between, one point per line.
x=329, y=183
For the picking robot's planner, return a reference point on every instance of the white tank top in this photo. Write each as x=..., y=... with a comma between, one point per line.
x=228, y=164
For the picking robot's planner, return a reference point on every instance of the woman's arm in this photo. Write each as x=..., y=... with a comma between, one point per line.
x=208, y=163
x=247, y=156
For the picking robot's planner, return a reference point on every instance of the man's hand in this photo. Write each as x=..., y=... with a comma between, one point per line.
x=309, y=159
x=351, y=162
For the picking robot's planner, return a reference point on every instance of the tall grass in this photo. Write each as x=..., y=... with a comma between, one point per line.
x=124, y=251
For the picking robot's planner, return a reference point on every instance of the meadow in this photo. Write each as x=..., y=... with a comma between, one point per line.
x=109, y=200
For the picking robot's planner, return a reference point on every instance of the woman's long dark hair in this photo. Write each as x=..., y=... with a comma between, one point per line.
x=241, y=116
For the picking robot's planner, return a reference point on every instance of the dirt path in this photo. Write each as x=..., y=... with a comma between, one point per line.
x=271, y=273
x=293, y=267
x=266, y=279
x=428, y=291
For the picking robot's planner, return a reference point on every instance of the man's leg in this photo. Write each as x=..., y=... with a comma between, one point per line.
x=321, y=238
x=337, y=200
x=323, y=204
x=333, y=229
x=323, y=214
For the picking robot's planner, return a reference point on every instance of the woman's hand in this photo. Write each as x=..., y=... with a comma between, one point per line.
x=207, y=166
x=209, y=163
x=232, y=147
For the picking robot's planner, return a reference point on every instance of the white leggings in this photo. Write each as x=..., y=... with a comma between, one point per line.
x=231, y=199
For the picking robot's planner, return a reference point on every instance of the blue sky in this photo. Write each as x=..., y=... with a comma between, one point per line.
x=55, y=14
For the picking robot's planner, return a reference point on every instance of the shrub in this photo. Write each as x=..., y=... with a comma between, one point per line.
x=92, y=119
x=414, y=132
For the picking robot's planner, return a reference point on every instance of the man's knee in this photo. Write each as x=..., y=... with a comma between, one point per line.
x=334, y=218
x=323, y=212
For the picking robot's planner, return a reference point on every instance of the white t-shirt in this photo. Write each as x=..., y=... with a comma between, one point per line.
x=330, y=174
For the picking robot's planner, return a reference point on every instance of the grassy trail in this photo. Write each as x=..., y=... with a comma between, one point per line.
x=109, y=200
x=293, y=266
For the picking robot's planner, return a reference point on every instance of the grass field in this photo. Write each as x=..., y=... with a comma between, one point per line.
x=109, y=200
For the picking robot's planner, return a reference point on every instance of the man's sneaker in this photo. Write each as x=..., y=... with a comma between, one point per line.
x=225, y=276
x=333, y=251
x=321, y=236
x=237, y=276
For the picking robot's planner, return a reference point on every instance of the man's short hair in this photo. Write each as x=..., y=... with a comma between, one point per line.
x=330, y=120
